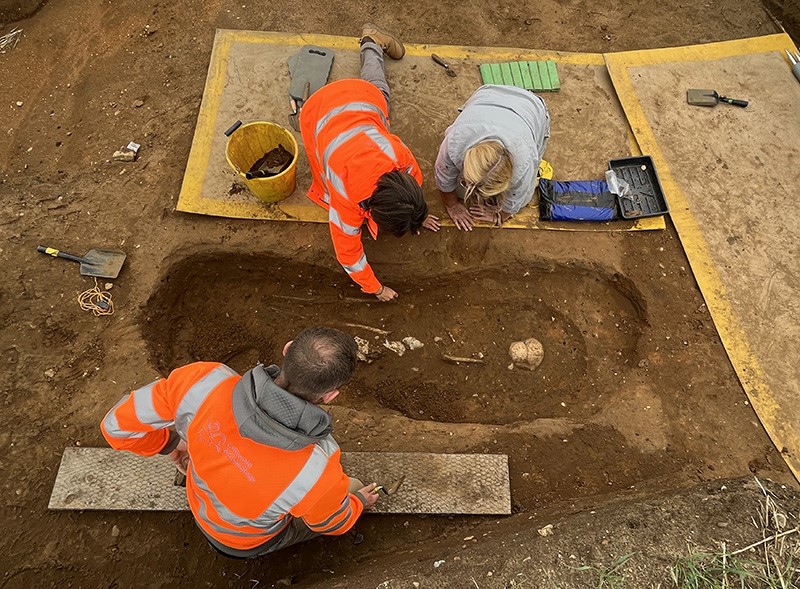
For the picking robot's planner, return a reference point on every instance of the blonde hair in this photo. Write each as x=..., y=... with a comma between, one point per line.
x=487, y=173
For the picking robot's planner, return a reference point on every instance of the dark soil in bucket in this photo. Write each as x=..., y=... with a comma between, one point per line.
x=273, y=163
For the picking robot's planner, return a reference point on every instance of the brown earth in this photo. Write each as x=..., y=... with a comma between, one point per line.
x=635, y=395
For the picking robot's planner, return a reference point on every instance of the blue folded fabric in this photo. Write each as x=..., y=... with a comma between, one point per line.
x=576, y=200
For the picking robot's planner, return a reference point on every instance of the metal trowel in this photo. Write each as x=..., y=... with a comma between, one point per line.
x=294, y=116
x=391, y=489
x=711, y=98
x=447, y=69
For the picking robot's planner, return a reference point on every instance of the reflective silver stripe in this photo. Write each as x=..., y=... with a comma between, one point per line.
x=358, y=266
x=203, y=515
x=333, y=217
x=377, y=137
x=340, y=511
x=340, y=140
x=382, y=142
x=345, y=505
x=112, y=424
x=269, y=522
x=306, y=478
x=350, y=107
x=195, y=396
x=326, y=198
x=337, y=183
x=145, y=411
x=339, y=525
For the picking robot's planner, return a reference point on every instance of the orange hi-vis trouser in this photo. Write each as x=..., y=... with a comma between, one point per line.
x=242, y=493
x=345, y=128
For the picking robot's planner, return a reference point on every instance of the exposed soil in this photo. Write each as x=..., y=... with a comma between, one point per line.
x=635, y=395
x=787, y=12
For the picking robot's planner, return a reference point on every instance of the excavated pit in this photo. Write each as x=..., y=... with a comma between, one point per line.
x=241, y=308
x=588, y=323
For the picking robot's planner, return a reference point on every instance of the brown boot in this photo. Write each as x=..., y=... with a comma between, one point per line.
x=391, y=45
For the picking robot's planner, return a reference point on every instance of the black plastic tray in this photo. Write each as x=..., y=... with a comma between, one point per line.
x=646, y=198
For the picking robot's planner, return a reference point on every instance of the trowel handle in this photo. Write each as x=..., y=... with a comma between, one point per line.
x=58, y=254
x=229, y=131
x=439, y=60
x=734, y=101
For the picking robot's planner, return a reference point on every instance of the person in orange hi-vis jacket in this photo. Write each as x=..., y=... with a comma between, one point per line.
x=262, y=469
x=360, y=171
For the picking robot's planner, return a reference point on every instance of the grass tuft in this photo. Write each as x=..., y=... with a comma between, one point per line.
x=777, y=568
x=609, y=577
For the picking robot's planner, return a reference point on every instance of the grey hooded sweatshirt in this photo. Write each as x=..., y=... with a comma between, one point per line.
x=269, y=415
x=516, y=118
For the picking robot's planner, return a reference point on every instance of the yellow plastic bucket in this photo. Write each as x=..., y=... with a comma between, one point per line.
x=248, y=144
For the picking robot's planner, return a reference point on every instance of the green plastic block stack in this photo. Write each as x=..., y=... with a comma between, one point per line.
x=539, y=76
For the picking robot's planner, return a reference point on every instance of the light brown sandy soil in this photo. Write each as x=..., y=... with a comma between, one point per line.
x=635, y=396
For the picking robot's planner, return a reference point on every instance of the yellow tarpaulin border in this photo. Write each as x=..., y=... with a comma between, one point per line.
x=733, y=337
x=191, y=199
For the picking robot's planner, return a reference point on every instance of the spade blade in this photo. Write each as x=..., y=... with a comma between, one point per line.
x=102, y=263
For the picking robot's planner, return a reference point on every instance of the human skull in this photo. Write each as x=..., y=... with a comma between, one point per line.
x=527, y=354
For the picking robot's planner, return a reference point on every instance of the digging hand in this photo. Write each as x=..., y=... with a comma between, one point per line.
x=460, y=216
x=370, y=495
x=386, y=294
x=484, y=213
x=180, y=457
x=431, y=223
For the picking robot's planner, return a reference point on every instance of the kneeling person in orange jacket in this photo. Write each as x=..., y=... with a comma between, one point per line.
x=360, y=171
x=262, y=469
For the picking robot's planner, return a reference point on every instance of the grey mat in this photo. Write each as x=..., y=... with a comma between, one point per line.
x=312, y=65
x=102, y=478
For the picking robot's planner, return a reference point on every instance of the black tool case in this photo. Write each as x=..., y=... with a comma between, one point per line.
x=646, y=197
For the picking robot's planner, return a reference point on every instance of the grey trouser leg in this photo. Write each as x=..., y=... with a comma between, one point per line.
x=372, y=69
x=354, y=485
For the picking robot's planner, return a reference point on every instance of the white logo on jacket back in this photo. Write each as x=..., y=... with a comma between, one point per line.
x=210, y=434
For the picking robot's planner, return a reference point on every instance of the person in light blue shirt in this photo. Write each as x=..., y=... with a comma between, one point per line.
x=487, y=165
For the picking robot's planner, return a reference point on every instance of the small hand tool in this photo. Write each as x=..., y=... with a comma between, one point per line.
x=229, y=131
x=296, y=106
x=444, y=64
x=795, y=61
x=391, y=489
x=711, y=98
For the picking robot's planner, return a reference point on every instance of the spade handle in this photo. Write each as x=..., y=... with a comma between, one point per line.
x=50, y=251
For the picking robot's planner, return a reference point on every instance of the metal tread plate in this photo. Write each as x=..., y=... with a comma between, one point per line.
x=105, y=479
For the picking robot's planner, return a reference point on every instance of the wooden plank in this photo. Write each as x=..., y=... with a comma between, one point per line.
x=105, y=479
x=535, y=77
x=544, y=75
x=552, y=71
x=516, y=74
x=505, y=71
x=527, y=81
x=496, y=75
x=486, y=73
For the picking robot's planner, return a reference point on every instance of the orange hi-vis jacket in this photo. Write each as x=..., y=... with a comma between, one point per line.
x=259, y=456
x=345, y=128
